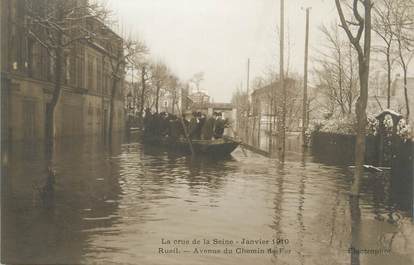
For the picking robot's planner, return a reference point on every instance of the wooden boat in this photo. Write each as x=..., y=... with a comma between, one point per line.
x=218, y=147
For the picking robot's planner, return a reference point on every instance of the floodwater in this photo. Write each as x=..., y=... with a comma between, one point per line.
x=130, y=203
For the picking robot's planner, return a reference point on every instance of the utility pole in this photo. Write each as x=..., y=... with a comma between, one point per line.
x=248, y=75
x=305, y=83
x=282, y=129
x=248, y=102
x=132, y=90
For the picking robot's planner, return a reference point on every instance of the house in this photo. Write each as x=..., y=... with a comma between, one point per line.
x=267, y=100
x=199, y=98
x=27, y=76
x=377, y=100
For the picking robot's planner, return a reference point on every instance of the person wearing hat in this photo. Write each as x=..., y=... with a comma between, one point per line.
x=148, y=122
x=192, y=125
x=200, y=119
x=163, y=124
x=208, y=127
x=219, y=126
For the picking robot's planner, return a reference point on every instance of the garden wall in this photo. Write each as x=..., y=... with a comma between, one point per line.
x=339, y=149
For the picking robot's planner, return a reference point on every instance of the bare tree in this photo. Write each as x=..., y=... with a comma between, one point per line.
x=144, y=79
x=363, y=26
x=173, y=87
x=196, y=79
x=403, y=31
x=120, y=53
x=59, y=25
x=335, y=70
x=383, y=27
x=159, y=76
x=141, y=63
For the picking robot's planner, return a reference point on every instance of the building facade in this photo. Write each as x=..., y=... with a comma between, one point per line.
x=265, y=101
x=27, y=75
x=199, y=98
x=377, y=100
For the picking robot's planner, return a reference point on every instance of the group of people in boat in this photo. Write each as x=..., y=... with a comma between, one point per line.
x=199, y=127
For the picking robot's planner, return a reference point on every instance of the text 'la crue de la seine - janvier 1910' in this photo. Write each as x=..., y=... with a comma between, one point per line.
x=275, y=246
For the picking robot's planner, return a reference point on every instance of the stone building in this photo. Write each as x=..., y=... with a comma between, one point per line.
x=227, y=110
x=27, y=82
x=199, y=98
x=264, y=99
x=377, y=100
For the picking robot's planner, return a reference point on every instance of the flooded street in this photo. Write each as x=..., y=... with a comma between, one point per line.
x=121, y=204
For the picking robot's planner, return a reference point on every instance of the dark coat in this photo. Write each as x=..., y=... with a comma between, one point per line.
x=148, y=120
x=155, y=124
x=199, y=128
x=174, y=129
x=219, y=128
x=186, y=124
x=164, y=126
x=192, y=128
x=208, y=129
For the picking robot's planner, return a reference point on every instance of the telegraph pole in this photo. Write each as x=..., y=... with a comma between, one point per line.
x=282, y=129
x=248, y=102
x=248, y=74
x=305, y=83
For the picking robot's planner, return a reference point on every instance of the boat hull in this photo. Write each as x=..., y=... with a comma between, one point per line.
x=214, y=148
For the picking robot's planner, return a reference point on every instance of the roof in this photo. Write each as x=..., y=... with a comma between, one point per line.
x=388, y=111
x=221, y=105
x=266, y=88
x=198, y=93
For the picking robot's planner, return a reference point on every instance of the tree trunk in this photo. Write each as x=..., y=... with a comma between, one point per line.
x=341, y=97
x=404, y=66
x=57, y=91
x=361, y=115
x=112, y=107
x=388, y=78
x=141, y=110
x=364, y=53
x=157, y=97
x=173, y=103
x=351, y=80
x=407, y=116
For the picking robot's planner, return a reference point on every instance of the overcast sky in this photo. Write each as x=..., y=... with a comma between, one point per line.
x=217, y=36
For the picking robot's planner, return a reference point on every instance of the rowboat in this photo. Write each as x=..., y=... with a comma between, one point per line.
x=214, y=148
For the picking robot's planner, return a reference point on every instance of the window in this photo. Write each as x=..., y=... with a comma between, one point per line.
x=98, y=115
x=104, y=77
x=90, y=109
x=98, y=75
x=36, y=71
x=90, y=73
x=52, y=62
x=67, y=69
x=79, y=71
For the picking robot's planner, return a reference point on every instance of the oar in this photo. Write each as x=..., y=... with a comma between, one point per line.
x=185, y=130
x=235, y=134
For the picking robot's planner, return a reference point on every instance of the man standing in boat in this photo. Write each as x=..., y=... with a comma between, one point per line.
x=148, y=121
x=163, y=124
x=200, y=125
x=174, y=128
x=195, y=126
x=219, y=125
x=192, y=125
x=208, y=127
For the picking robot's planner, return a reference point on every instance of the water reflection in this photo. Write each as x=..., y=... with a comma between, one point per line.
x=113, y=204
